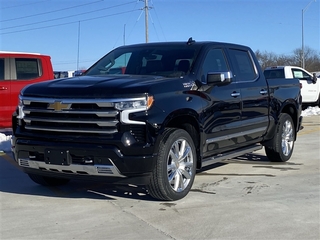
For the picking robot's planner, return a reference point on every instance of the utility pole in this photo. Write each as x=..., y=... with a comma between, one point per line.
x=78, y=45
x=146, y=8
x=124, y=35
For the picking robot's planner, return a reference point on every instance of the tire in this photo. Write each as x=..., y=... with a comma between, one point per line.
x=283, y=141
x=175, y=169
x=48, y=181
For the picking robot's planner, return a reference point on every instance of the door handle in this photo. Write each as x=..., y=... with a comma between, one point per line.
x=235, y=94
x=263, y=92
x=3, y=88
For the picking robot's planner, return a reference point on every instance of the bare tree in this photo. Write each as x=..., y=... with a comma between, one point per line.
x=312, y=59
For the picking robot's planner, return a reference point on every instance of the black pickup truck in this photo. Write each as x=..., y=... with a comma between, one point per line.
x=152, y=114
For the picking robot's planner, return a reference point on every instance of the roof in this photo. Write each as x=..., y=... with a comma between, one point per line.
x=9, y=52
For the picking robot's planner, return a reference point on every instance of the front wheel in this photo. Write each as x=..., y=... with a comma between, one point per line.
x=48, y=181
x=175, y=169
x=283, y=141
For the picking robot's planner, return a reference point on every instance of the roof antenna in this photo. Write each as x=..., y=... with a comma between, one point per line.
x=190, y=41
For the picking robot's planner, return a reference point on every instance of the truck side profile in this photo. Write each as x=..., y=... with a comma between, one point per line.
x=16, y=71
x=152, y=114
x=310, y=90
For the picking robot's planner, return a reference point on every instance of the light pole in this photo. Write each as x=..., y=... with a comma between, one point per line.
x=303, y=10
x=146, y=8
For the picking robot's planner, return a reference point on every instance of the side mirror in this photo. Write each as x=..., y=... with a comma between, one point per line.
x=314, y=78
x=219, y=78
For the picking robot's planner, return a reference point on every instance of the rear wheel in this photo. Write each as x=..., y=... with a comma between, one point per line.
x=48, y=181
x=283, y=141
x=174, y=172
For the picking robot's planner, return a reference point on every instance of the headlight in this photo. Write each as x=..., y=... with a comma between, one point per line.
x=138, y=104
x=132, y=106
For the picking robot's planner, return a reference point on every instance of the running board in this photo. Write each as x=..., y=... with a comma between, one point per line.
x=229, y=155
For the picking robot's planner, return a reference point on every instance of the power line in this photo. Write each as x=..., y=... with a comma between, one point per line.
x=55, y=19
x=21, y=5
x=58, y=10
x=158, y=19
x=61, y=24
x=124, y=37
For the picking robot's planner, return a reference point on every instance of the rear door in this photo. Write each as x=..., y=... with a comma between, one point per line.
x=254, y=95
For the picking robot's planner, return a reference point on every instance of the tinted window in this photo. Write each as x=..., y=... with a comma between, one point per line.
x=243, y=65
x=1, y=68
x=274, y=73
x=27, y=68
x=163, y=60
x=214, y=62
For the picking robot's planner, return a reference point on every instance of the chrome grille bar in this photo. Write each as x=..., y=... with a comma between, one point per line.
x=59, y=120
x=70, y=115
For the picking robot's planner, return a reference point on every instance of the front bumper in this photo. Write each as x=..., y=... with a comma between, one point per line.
x=80, y=160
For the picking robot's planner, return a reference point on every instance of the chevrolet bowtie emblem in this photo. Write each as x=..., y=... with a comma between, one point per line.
x=58, y=106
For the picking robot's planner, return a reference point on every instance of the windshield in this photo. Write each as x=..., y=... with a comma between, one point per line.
x=164, y=60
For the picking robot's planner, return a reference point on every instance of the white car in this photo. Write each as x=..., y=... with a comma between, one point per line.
x=310, y=90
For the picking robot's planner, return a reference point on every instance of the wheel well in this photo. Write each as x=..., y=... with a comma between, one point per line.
x=190, y=125
x=292, y=111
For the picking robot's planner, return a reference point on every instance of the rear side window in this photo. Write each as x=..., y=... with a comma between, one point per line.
x=274, y=73
x=27, y=68
x=243, y=65
x=1, y=68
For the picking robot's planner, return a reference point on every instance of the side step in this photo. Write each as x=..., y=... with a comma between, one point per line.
x=231, y=154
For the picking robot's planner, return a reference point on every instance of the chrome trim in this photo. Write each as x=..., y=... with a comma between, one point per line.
x=124, y=116
x=67, y=117
x=56, y=120
x=100, y=102
x=71, y=130
x=211, y=160
x=92, y=170
x=229, y=136
x=251, y=121
x=235, y=94
x=27, y=110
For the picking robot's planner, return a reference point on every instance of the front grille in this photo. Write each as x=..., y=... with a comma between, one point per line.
x=70, y=116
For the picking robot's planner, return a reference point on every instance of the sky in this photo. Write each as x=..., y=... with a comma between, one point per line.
x=77, y=33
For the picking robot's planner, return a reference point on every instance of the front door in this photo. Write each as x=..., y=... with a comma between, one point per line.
x=309, y=88
x=221, y=118
x=5, y=88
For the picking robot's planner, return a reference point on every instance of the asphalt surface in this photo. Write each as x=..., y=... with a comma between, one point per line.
x=242, y=198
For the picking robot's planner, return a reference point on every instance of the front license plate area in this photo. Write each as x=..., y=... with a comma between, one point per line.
x=57, y=157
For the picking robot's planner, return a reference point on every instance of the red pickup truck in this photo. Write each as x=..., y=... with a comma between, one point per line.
x=16, y=71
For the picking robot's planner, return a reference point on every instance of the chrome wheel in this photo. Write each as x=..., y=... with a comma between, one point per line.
x=287, y=137
x=175, y=169
x=281, y=145
x=180, y=163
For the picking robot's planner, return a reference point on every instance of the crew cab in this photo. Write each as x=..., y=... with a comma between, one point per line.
x=310, y=91
x=17, y=70
x=152, y=114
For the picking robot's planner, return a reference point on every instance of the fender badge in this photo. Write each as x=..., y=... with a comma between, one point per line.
x=188, y=84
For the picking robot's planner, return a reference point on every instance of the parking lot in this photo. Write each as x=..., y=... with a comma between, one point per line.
x=243, y=198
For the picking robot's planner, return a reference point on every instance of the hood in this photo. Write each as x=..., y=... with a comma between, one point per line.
x=93, y=86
